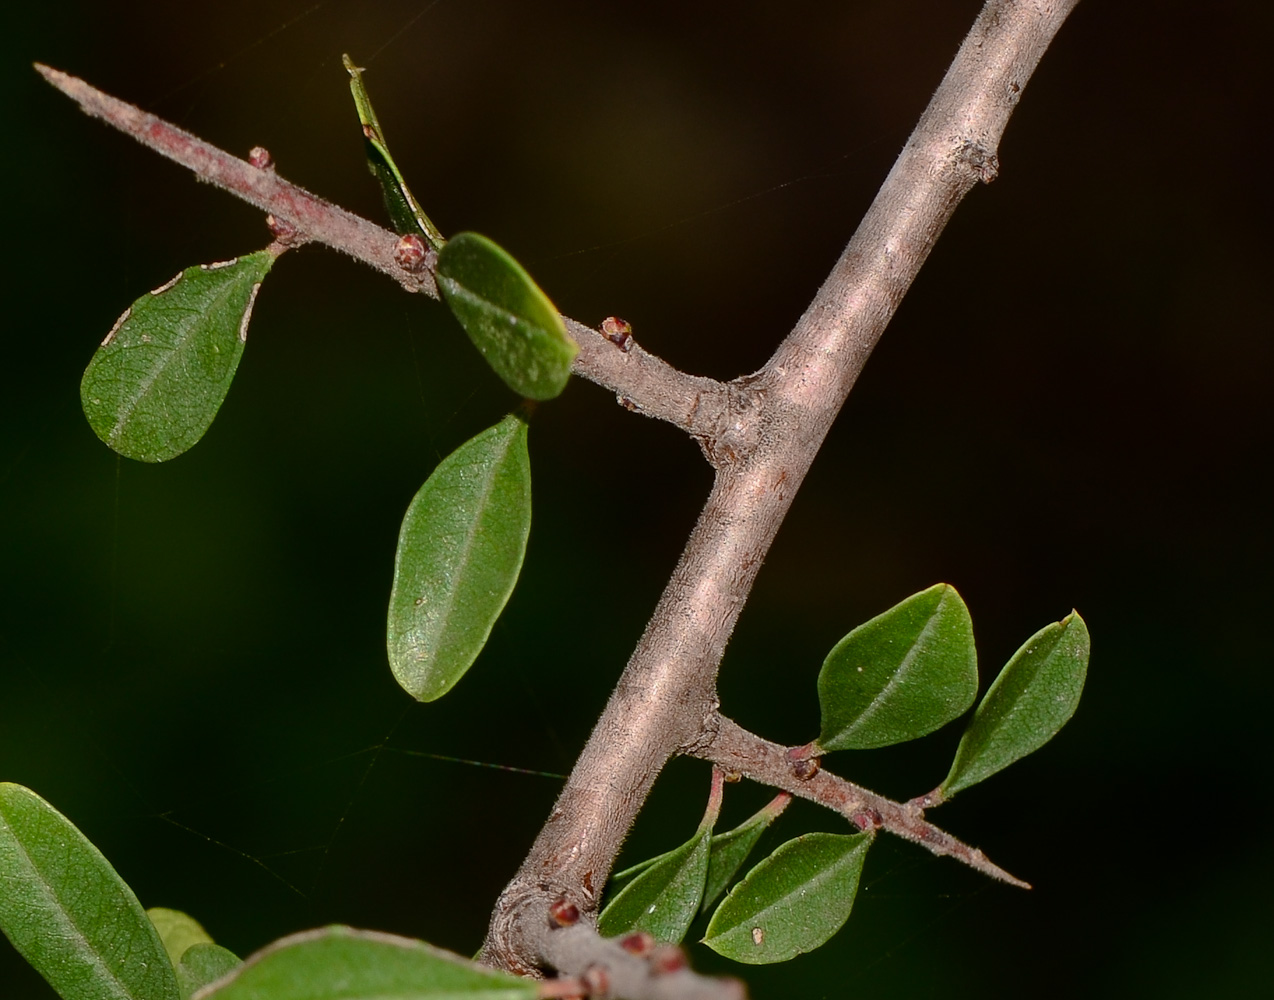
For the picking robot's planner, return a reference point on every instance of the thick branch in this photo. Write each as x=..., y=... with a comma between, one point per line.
x=665, y=701
x=640, y=380
x=733, y=748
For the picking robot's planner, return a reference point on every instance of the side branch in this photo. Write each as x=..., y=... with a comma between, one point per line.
x=640, y=380
x=735, y=749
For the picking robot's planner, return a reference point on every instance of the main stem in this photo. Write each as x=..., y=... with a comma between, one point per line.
x=665, y=702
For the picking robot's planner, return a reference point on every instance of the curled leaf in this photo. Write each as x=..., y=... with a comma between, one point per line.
x=459, y=554
x=156, y=383
x=1034, y=696
x=663, y=898
x=511, y=322
x=901, y=675
x=729, y=850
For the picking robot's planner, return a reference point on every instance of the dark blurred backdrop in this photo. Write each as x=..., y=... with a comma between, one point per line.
x=1071, y=409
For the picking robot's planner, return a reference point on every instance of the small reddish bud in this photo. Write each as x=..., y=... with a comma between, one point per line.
x=640, y=944
x=280, y=229
x=667, y=958
x=410, y=253
x=260, y=158
x=563, y=913
x=806, y=769
x=868, y=819
x=597, y=981
x=733, y=777
x=619, y=332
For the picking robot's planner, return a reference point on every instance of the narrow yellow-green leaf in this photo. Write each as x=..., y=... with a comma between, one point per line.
x=404, y=209
x=69, y=914
x=459, y=555
x=1035, y=695
x=511, y=322
x=901, y=675
x=340, y=963
x=792, y=902
x=177, y=930
x=156, y=383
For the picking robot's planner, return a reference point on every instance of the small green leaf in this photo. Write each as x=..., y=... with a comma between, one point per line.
x=1034, y=696
x=68, y=912
x=155, y=385
x=791, y=902
x=202, y=964
x=177, y=930
x=901, y=675
x=459, y=555
x=404, y=210
x=730, y=849
x=340, y=963
x=663, y=898
x=511, y=322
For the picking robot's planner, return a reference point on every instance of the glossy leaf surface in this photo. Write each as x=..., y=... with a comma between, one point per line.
x=157, y=381
x=511, y=322
x=177, y=930
x=68, y=912
x=901, y=675
x=664, y=897
x=404, y=210
x=792, y=902
x=459, y=554
x=202, y=964
x=729, y=850
x=340, y=963
x=1034, y=696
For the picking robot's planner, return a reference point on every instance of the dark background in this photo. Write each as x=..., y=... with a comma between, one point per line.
x=1071, y=409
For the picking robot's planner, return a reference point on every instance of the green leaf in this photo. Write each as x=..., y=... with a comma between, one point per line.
x=202, y=964
x=69, y=914
x=901, y=675
x=663, y=898
x=154, y=386
x=340, y=963
x=791, y=902
x=1034, y=696
x=177, y=930
x=404, y=210
x=729, y=850
x=511, y=322
x=459, y=554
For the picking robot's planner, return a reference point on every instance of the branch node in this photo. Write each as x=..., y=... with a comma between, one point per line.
x=619, y=332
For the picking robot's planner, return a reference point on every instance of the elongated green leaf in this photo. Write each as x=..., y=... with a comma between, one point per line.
x=791, y=902
x=404, y=210
x=901, y=675
x=69, y=914
x=664, y=898
x=1034, y=696
x=202, y=964
x=155, y=385
x=511, y=322
x=340, y=963
x=177, y=930
x=729, y=850
x=459, y=555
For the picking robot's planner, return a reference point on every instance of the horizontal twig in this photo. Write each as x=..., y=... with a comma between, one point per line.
x=640, y=381
x=735, y=749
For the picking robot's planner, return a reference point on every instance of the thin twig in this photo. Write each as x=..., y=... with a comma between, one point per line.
x=640, y=381
x=735, y=749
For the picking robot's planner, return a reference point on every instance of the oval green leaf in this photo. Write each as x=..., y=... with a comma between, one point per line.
x=511, y=322
x=157, y=381
x=901, y=675
x=792, y=902
x=1034, y=696
x=340, y=963
x=729, y=850
x=664, y=897
x=69, y=914
x=459, y=555
x=177, y=930
x=202, y=964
